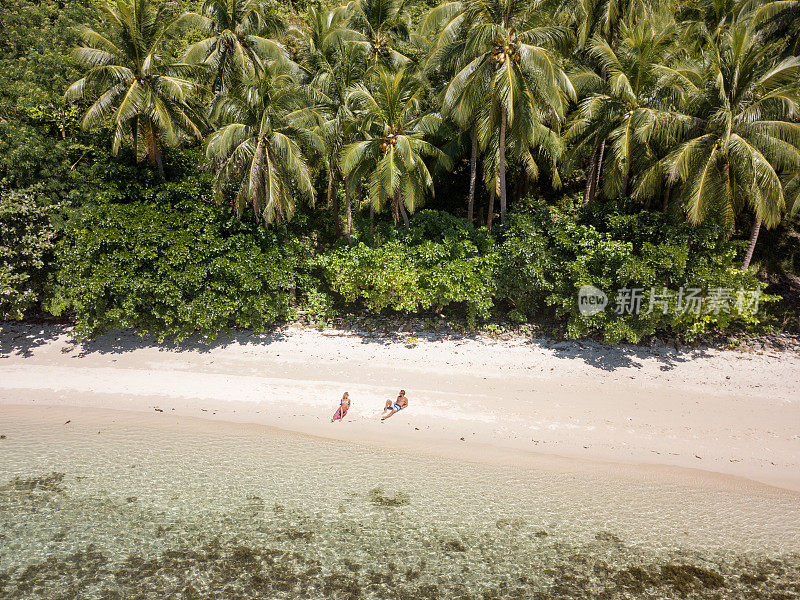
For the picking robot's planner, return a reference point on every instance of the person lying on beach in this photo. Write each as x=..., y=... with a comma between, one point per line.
x=395, y=406
x=344, y=406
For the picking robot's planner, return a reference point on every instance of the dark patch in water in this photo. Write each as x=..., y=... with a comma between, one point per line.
x=455, y=545
x=59, y=579
x=30, y=485
x=689, y=578
x=295, y=534
x=633, y=579
x=753, y=579
x=379, y=498
x=32, y=493
x=235, y=571
x=606, y=536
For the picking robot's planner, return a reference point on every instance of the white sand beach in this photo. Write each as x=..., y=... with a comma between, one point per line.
x=716, y=416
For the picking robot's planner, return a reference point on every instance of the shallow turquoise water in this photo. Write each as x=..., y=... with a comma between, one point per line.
x=209, y=510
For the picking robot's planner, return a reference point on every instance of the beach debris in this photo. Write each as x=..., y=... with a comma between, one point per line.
x=68, y=421
x=2, y=437
x=159, y=410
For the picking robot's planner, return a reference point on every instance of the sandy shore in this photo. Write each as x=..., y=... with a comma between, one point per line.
x=718, y=412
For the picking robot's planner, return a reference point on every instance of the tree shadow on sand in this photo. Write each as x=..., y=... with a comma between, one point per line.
x=22, y=339
x=623, y=356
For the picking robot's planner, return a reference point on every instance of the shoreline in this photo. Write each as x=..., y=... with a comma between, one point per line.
x=707, y=417
x=408, y=449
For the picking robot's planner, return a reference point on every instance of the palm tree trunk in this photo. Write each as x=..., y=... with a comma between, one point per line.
x=473, y=168
x=153, y=148
x=136, y=139
x=753, y=238
x=502, y=166
x=665, y=204
x=599, y=168
x=159, y=159
x=329, y=195
x=349, y=230
x=371, y=219
x=588, y=192
x=404, y=214
x=337, y=227
x=491, y=211
x=626, y=180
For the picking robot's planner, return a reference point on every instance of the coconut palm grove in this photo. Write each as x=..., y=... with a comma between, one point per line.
x=197, y=166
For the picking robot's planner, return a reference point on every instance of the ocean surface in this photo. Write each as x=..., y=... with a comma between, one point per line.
x=123, y=506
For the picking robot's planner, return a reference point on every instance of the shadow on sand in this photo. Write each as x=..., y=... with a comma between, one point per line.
x=23, y=338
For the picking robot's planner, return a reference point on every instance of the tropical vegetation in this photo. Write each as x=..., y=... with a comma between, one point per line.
x=200, y=165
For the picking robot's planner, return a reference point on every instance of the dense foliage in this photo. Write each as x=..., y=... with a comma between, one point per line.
x=655, y=137
x=547, y=256
x=170, y=265
x=26, y=245
x=439, y=262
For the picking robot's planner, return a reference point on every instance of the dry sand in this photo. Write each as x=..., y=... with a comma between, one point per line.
x=625, y=408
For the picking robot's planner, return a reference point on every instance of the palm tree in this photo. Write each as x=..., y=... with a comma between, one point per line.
x=380, y=25
x=261, y=146
x=733, y=136
x=706, y=20
x=617, y=106
x=513, y=87
x=781, y=21
x=391, y=157
x=334, y=66
x=588, y=19
x=137, y=92
x=238, y=39
x=447, y=56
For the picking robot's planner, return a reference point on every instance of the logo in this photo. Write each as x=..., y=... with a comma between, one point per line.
x=591, y=300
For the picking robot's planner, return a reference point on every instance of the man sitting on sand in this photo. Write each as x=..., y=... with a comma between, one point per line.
x=397, y=406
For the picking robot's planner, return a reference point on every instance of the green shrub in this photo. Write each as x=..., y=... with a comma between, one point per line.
x=441, y=262
x=26, y=244
x=173, y=265
x=546, y=256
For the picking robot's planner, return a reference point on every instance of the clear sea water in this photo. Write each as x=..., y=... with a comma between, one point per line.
x=153, y=509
